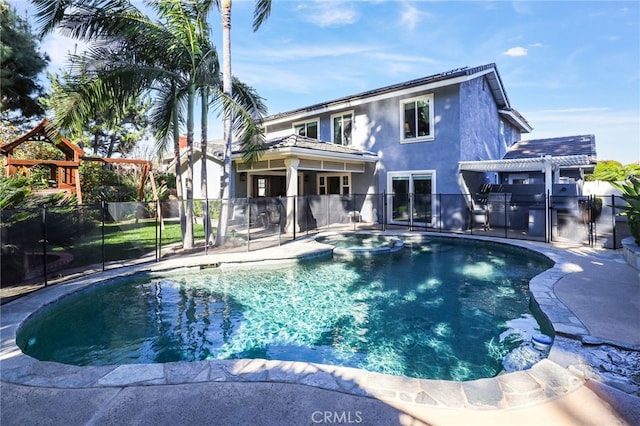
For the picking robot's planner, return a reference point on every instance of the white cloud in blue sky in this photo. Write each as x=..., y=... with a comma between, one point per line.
x=516, y=51
x=327, y=13
x=570, y=67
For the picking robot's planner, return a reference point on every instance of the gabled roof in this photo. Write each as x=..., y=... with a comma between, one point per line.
x=455, y=76
x=564, y=152
x=215, y=153
x=45, y=131
x=298, y=141
x=556, y=147
x=302, y=145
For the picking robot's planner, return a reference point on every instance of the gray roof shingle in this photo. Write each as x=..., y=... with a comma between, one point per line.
x=465, y=71
x=559, y=146
x=299, y=141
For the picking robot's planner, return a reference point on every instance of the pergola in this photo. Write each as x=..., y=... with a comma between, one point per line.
x=64, y=174
x=546, y=164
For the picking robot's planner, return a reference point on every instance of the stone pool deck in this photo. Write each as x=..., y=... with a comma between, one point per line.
x=591, y=296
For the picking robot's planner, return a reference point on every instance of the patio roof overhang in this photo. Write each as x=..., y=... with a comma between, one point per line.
x=527, y=164
x=312, y=155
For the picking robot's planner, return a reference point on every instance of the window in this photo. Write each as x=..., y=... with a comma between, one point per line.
x=262, y=187
x=308, y=129
x=519, y=179
x=334, y=184
x=342, y=126
x=417, y=119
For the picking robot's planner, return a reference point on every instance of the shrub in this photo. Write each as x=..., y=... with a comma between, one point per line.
x=631, y=194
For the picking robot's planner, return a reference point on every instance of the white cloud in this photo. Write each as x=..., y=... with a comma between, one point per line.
x=516, y=51
x=535, y=45
x=411, y=16
x=329, y=13
x=399, y=57
x=522, y=7
x=297, y=52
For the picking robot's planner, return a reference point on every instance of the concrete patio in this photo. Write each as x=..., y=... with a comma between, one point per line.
x=591, y=296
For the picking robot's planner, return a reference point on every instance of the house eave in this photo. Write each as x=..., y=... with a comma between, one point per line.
x=297, y=152
x=516, y=119
x=404, y=89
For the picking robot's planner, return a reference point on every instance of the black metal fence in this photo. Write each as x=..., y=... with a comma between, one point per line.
x=43, y=244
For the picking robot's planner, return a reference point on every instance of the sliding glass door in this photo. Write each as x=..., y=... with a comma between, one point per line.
x=400, y=199
x=411, y=197
x=422, y=199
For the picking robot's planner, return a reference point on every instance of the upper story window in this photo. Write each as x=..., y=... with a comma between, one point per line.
x=417, y=119
x=307, y=128
x=342, y=125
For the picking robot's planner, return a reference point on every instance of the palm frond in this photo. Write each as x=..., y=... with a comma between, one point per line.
x=261, y=13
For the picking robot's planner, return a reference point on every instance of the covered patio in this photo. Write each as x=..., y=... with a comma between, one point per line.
x=523, y=187
x=296, y=165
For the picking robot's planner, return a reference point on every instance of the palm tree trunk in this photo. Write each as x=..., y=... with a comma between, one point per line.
x=203, y=172
x=187, y=242
x=177, y=159
x=223, y=221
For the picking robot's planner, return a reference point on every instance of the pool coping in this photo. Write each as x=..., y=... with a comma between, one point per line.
x=545, y=381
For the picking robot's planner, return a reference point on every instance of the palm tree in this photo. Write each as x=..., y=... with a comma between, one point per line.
x=261, y=13
x=133, y=54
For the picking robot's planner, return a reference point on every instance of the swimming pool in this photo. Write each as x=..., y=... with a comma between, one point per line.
x=437, y=309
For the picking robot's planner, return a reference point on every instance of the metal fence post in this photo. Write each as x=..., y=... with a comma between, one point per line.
x=157, y=215
x=384, y=210
x=506, y=216
x=440, y=210
x=207, y=225
x=160, y=233
x=353, y=211
x=249, y=224
x=295, y=218
x=410, y=210
x=328, y=198
x=592, y=223
x=613, y=221
x=548, y=229
x=103, y=208
x=44, y=243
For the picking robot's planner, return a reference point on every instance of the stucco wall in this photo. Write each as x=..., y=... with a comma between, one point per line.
x=467, y=126
x=484, y=135
x=381, y=135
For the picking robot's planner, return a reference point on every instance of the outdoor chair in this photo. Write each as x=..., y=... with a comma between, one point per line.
x=480, y=208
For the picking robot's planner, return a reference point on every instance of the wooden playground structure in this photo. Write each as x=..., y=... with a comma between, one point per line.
x=64, y=175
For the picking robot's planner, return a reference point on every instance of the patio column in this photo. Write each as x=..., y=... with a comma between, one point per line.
x=292, y=190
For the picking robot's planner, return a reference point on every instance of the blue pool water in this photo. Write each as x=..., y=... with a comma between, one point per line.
x=439, y=309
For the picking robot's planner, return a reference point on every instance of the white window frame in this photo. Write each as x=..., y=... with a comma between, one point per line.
x=342, y=115
x=321, y=182
x=410, y=174
x=305, y=123
x=431, y=136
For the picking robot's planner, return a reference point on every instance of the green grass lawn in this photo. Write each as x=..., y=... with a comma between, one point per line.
x=125, y=241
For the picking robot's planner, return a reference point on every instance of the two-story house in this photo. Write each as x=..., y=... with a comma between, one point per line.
x=402, y=139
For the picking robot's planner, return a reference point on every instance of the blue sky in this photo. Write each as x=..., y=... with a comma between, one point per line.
x=569, y=67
